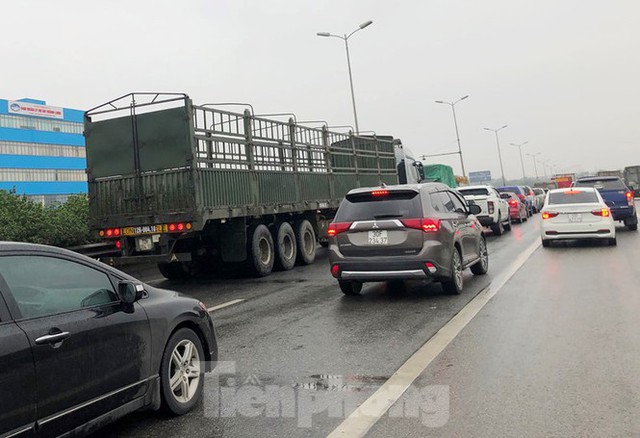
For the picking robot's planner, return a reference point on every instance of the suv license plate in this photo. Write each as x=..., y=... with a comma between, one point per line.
x=575, y=218
x=378, y=237
x=144, y=243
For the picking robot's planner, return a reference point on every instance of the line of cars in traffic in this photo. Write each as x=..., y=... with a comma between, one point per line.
x=431, y=231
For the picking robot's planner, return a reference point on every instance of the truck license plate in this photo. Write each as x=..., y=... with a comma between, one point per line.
x=574, y=218
x=144, y=243
x=378, y=237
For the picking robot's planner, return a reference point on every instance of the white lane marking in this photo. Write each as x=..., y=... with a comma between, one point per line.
x=223, y=305
x=371, y=410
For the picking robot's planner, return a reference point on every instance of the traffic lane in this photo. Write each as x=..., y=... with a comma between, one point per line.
x=213, y=290
x=555, y=353
x=301, y=332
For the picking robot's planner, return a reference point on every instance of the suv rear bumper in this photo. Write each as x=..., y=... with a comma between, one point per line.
x=622, y=213
x=384, y=270
x=486, y=220
x=412, y=274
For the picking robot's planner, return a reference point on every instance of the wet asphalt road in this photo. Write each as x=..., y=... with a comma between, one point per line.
x=555, y=349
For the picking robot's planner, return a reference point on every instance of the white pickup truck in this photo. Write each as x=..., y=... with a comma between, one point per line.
x=495, y=210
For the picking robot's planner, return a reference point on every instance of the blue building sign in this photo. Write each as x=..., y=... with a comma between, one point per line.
x=42, y=152
x=481, y=176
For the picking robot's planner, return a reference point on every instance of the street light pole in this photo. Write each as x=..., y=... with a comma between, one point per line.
x=455, y=123
x=519, y=146
x=535, y=167
x=495, y=131
x=345, y=38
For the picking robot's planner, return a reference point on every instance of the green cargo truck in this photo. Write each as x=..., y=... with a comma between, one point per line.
x=192, y=187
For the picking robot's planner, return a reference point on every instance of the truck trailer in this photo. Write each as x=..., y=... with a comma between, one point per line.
x=193, y=187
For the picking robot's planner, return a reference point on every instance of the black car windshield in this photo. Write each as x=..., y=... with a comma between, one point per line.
x=603, y=184
x=474, y=192
x=573, y=197
x=362, y=207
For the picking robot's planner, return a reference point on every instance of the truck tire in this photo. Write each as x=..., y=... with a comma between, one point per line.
x=306, y=240
x=286, y=247
x=498, y=228
x=261, y=251
x=507, y=225
x=173, y=271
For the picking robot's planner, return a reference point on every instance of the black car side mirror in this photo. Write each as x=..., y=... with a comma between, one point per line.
x=129, y=292
x=475, y=209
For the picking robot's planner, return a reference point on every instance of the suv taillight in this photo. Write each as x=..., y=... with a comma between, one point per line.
x=428, y=225
x=490, y=207
x=336, y=228
x=630, y=197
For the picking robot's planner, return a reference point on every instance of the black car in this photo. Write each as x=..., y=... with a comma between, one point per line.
x=82, y=344
x=405, y=232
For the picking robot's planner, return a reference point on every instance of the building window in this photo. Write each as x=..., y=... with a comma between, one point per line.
x=41, y=149
x=42, y=175
x=22, y=122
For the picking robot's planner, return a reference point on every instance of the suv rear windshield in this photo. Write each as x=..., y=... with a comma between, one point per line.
x=603, y=184
x=573, y=197
x=474, y=192
x=365, y=207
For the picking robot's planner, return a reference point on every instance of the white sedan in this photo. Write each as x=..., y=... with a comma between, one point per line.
x=576, y=213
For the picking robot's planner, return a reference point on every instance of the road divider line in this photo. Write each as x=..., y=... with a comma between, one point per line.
x=223, y=305
x=360, y=421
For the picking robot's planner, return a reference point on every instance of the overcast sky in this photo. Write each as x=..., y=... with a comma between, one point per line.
x=563, y=74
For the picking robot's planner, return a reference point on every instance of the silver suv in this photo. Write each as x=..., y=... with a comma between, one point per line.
x=406, y=232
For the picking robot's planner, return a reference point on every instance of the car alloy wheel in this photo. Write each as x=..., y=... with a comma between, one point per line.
x=457, y=269
x=184, y=372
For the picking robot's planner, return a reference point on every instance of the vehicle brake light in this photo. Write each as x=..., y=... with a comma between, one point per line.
x=604, y=212
x=431, y=267
x=549, y=214
x=380, y=192
x=630, y=197
x=513, y=202
x=335, y=270
x=172, y=227
x=109, y=232
x=428, y=225
x=118, y=244
x=116, y=231
x=490, y=207
x=336, y=228
x=572, y=192
x=180, y=226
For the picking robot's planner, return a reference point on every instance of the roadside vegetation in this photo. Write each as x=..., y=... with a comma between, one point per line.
x=65, y=225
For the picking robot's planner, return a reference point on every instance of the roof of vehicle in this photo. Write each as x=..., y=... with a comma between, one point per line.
x=431, y=186
x=479, y=186
x=573, y=189
x=597, y=178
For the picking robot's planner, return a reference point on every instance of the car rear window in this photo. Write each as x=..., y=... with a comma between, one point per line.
x=603, y=184
x=504, y=195
x=573, y=197
x=364, y=206
x=474, y=192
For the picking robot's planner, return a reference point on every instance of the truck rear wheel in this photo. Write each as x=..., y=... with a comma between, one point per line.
x=286, y=247
x=306, y=240
x=261, y=251
x=173, y=271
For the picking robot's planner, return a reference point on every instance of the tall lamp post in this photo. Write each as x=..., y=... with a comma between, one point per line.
x=535, y=166
x=345, y=38
x=455, y=123
x=519, y=146
x=495, y=131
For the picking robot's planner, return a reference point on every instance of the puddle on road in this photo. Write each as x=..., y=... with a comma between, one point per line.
x=353, y=383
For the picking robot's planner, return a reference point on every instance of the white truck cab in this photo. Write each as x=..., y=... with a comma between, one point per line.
x=495, y=210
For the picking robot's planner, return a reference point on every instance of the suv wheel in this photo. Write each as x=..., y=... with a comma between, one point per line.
x=482, y=266
x=350, y=287
x=455, y=283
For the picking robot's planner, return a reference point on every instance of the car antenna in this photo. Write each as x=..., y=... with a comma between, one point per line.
x=383, y=185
